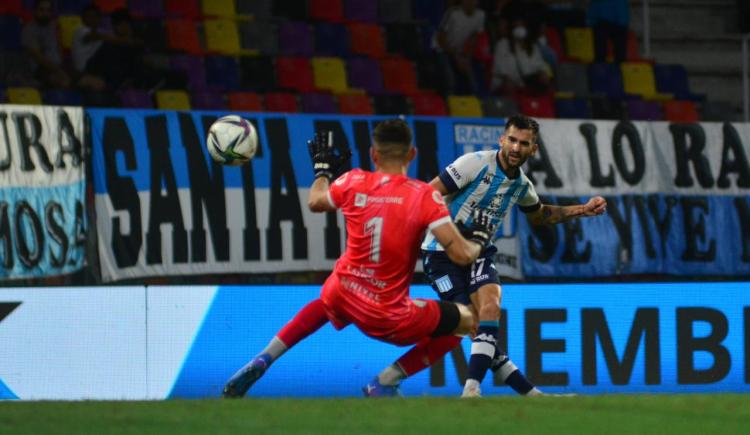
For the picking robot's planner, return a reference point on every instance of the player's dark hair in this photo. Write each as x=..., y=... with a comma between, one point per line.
x=523, y=122
x=392, y=138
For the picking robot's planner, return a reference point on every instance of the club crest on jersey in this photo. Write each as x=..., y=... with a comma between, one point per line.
x=360, y=200
x=487, y=179
x=437, y=197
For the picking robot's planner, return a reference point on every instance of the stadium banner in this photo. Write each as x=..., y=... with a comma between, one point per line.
x=42, y=191
x=164, y=208
x=185, y=342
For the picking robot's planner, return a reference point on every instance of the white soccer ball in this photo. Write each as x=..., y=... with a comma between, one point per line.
x=232, y=140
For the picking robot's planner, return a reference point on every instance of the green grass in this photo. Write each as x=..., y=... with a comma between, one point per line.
x=633, y=414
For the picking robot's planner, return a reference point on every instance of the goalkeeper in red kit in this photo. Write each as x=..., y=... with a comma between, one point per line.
x=387, y=214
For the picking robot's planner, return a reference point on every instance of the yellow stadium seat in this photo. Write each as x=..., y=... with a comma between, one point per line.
x=67, y=25
x=172, y=100
x=329, y=74
x=579, y=43
x=24, y=96
x=218, y=8
x=467, y=106
x=222, y=36
x=638, y=79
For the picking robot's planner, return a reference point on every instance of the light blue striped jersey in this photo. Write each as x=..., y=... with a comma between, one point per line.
x=476, y=180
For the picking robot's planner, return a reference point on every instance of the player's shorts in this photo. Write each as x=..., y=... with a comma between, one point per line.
x=455, y=283
x=408, y=324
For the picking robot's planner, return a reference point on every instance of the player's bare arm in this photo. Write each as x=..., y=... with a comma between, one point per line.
x=438, y=185
x=554, y=214
x=318, y=200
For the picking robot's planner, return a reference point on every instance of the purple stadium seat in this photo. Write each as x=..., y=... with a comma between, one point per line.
x=365, y=11
x=319, y=103
x=295, y=38
x=136, y=99
x=208, y=100
x=193, y=68
x=147, y=8
x=222, y=73
x=606, y=79
x=365, y=73
x=641, y=110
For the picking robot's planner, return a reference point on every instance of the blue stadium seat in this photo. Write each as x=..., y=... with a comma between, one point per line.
x=331, y=40
x=606, y=79
x=10, y=32
x=222, y=73
x=572, y=108
x=673, y=79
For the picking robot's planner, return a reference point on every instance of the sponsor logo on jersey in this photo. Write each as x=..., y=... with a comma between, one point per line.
x=360, y=200
x=454, y=171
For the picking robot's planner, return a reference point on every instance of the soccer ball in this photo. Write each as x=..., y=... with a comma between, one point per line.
x=232, y=140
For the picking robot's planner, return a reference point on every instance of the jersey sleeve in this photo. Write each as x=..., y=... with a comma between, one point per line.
x=435, y=213
x=461, y=172
x=529, y=202
x=337, y=191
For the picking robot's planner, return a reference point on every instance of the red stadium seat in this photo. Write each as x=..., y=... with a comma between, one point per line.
x=281, y=102
x=183, y=35
x=680, y=111
x=295, y=73
x=244, y=101
x=327, y=10
x=355, y=104
x=182, y=8
x=429, y=105
x=399, y=75
x=537, y=106
x=367, y=39
x=12, y=7
x=108, y=6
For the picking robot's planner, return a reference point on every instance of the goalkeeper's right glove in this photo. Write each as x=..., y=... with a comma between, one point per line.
x=480, y=228
x=326, y=161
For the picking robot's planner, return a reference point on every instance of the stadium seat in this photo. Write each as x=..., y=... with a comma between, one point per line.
x=429, y=73
x=295, y=39
x=244, y=101
x=24, y=96
x=318, y=103
x=499, y=107
x=394, y=11
x=133, y=98
x=364, y=73
x=554, y=42
x=3, y=96
x=638, y=79
x=281, y=102
x=16, y=8
x=222, y=36
x=537, y=106
x=429, y=105
x=172, y=100
x=145, y=8
x=10, y=32
x=605, y=79
x=329, y=74
x=364, y=11
x=259, y=36
x=331, y=40
x=466, y=106
x=680, y=111
x=644, y=110
x=67, y=25
x=291, y=9
x=257, y=74
x=327, y=10
x=109, y=6
x=182, y=35
x=572, y=108
x=355, y=104
x=294, y=73
x=62, y=97
x=632, y=50
x=606, y=108
x=399, y=75
x=208, y=100
x=390, y=105
x=222, y=73
x=404, y=39
x=218, y=8
x=192, y=67
x=429, y=11
x=151, y=30
x=367, y=39
x=259, y=10
x=186, y=9
x=673, y=79
x=579, y=44
x=720, y=111
x=572, y=78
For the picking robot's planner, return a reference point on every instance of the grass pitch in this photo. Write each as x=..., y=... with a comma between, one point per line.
x=631, y=414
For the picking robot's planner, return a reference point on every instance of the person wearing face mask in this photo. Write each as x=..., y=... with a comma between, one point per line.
x=518, y=64
x=40, y=42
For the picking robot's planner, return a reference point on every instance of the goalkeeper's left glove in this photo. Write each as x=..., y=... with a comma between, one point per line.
x=327, y=160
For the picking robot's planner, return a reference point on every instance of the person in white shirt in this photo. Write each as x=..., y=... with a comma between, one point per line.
x=454, y=41
x=518, y=62
x=39, y=40
x=87, y=40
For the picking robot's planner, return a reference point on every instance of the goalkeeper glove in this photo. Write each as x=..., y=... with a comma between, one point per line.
x=480, y=228
x=327, y=160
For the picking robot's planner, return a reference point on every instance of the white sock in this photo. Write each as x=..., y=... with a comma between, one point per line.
x=471, y=384
x=534, y=392
x=275, y=348
x=391, y=375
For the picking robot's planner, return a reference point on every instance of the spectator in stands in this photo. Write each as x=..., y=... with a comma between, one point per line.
x=39, y=40
x=455, y=42
x=87, y=40
x=610, y=20
x=518, y=63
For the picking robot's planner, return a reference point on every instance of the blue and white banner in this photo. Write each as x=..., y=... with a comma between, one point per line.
x=185, y=342
x=42, y=186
